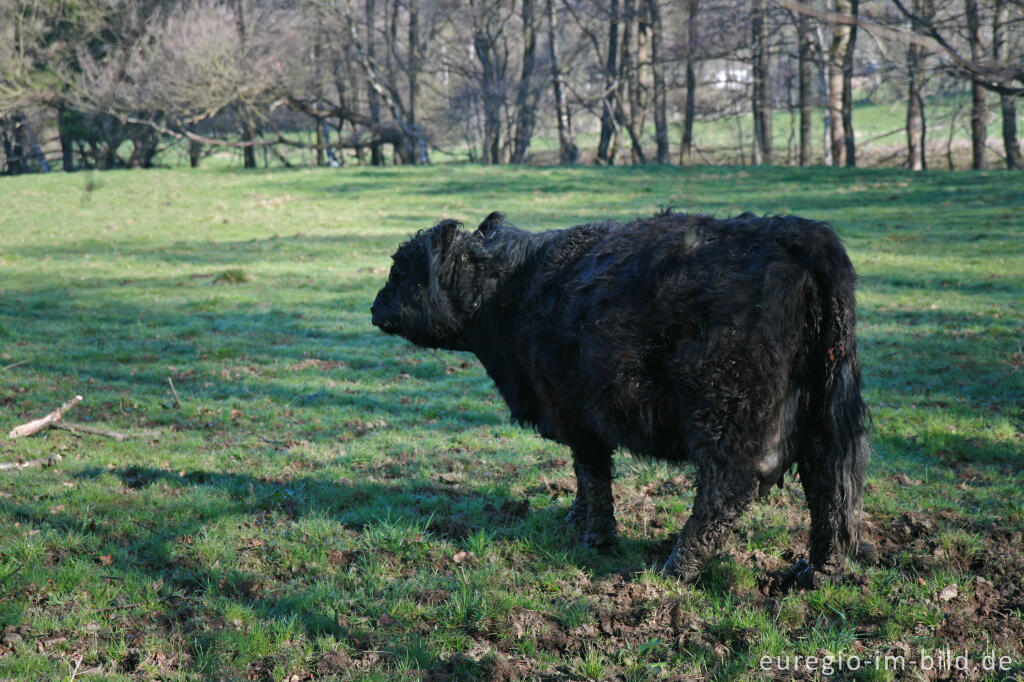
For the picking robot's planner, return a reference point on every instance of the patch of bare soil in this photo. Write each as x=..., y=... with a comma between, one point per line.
x=544, y=627
x=508, y=512
x=340, y=663
x=480, y=664
x=317, y=363
x=982, y=614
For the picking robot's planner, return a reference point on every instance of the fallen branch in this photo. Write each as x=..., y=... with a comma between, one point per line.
x=43, y=461
x=177, y=402
x=97, y=431
x=16, y=364
x=40, y=424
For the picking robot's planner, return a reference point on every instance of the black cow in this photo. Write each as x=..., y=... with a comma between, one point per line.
x=728, y=343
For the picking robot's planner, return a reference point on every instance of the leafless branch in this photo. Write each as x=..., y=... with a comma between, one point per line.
x=107, y=433
x=991, y=75
x=38, y=425
x=42, y=461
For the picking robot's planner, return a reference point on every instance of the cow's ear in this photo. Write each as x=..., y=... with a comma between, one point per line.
x=491, y=224
x=444, y=236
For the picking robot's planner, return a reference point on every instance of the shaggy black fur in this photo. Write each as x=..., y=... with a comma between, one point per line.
x=729, y=343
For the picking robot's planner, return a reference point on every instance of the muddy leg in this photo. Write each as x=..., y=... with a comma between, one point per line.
x=593, y=510
x=827, y=506
x=577, y=516
x=722, y=496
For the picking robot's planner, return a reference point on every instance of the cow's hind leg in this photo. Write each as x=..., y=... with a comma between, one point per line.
x=827, y=506
x=723, y=493
x=593, y=510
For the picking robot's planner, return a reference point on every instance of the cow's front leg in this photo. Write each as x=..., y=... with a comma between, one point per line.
x=577, y=516
x=593, y=511
x=723, y=493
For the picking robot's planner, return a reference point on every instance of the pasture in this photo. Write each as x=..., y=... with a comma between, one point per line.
x=325, y=501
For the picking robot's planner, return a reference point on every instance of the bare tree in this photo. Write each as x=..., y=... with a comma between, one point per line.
x=979, y=114
x=658, y=81
x=526, y=93
x=806, y=44
x=568, y=152
x=609, y=102
x=994, y=76
x=686, y=147
x=761, y=84
x=243, y=108
x=372, y=98
x=839, y=66
x=916, y=125
x=630, y=91
x=849, y=140
x=1007, y=103
x=490, y=48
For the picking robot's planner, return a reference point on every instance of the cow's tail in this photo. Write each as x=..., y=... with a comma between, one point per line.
x=833, y=453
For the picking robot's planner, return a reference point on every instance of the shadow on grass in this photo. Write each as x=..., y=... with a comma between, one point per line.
x=165, y=551
x=289, y=248
x=805, y=190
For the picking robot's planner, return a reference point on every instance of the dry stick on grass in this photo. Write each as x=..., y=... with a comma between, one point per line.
x=177, y=403
x=16, y=364
x=42, y=461
x=97, y=431
x=54, y=420
x=40, y=424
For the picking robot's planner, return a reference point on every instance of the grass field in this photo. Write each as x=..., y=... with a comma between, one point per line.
x=323, y=500
x=880, y=131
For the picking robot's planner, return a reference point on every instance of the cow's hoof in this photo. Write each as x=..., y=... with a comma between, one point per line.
x=604, y=540
x=577, y=514
x=800, y=576
x=677, y=567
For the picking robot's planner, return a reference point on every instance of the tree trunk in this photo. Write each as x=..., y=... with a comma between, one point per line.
x=526, y=115
x=248, y=128
x=915, y=117
x=608, y=100
x=1011, y=143
x=1008, y=103
x=841, y=35
x=978, y=114
x=568, y=153
x=373, y=99
x=415, y=139
x=640, y=80
x=66, y=134
x=849, y=139
x=686, y=148
x=761, y=88
x=319, y=142
x=483, y=47
x=916, y=158
x=629, y=86
x=249, y=152
x=195, y=153
x=658, y=82
x=806, y=95
x=414, y=58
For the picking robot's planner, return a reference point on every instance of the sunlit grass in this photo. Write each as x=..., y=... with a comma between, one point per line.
x=326, y=500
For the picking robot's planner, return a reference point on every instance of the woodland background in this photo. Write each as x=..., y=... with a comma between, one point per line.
x=133, y=83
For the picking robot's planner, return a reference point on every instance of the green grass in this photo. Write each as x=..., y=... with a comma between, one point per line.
x=326, y=500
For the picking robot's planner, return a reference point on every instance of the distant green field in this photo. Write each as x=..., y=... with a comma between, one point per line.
x=725, y=138
x=324, y=501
